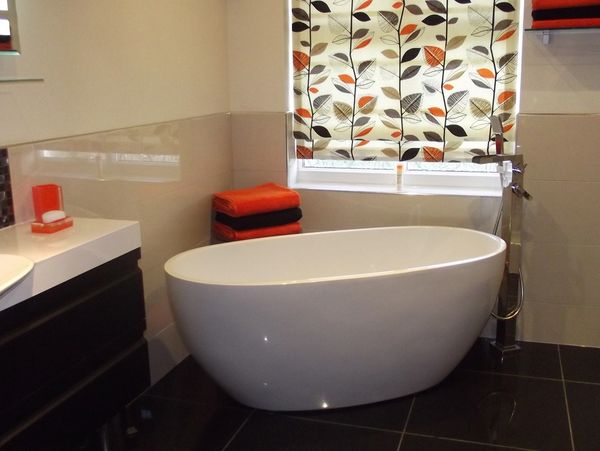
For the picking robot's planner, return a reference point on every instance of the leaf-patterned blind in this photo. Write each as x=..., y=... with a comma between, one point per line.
x=403, y=80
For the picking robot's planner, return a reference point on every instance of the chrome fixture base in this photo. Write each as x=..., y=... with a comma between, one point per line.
x=504, y=349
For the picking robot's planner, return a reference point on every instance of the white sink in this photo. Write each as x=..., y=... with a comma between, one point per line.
x=13, y=269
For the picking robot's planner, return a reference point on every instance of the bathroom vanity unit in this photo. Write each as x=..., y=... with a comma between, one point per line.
x=72, y=351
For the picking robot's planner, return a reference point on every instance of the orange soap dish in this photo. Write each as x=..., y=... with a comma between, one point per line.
x=51, y=227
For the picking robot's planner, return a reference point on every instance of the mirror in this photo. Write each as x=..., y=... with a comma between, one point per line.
x=9, y=36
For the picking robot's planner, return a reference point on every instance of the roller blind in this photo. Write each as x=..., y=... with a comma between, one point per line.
x=403, y=80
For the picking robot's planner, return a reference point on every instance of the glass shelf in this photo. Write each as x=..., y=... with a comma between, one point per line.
x=21, y=80
x=547, y=32
x=566, y=30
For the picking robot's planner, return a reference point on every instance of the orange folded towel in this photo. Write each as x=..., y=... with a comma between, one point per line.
x=556, y=4
x=259, y=199
x=226, y=233
x=566, y=23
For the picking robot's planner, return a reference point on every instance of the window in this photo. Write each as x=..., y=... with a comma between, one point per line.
x=383, y=81
x=9, y=38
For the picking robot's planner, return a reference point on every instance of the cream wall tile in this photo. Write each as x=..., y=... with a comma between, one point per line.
x=558, y=274
x=560, y=147
x=244, y=179
x=555, y=323
x=561, y=77
x=330, y=210
x=258, y=57
x=166, y=350
x=562, y=212
x=259, y=141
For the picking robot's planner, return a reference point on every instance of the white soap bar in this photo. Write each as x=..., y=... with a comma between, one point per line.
x=53, y=215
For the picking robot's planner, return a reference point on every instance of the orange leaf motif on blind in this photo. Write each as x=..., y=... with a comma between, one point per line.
x=408, y=29
x=432, y=153
x=364, y=100
x=364, y=43
x=346, y=78
x=437, y=111
x=301, y=60
x=485, y=73
x=364, y=5
x=504, y=96
x=434, y=55
x=364, y=132
x=303, y=112
x=506, y=35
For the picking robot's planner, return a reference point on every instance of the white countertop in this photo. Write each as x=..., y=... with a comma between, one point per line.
x=63, y=255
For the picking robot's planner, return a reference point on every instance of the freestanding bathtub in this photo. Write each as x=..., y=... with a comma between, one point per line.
x=335, y=319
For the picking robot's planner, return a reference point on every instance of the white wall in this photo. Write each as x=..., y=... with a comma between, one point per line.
x=112, y=64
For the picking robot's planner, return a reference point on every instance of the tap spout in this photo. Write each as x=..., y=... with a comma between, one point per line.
x=498, y=131
x=499, y=158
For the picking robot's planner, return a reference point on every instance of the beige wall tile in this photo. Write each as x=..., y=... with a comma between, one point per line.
x=259, y=141
x=560, y=77
x=558, y=274
x=562, y=212
x=166, y=350
x=555, y=323
x=244, y=179
x=560, y=147
x=330, y=210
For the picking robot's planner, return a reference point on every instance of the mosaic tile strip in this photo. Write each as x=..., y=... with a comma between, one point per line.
x=7, y=216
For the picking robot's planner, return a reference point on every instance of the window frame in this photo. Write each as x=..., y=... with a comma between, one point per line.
x=472, y=183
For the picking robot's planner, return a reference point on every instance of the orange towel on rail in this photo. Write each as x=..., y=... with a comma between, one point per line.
x=566, y=23
x=226, y=233
x=260, y=199
x=557, y=4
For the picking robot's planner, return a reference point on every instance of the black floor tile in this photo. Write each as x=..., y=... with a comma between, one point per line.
x=390, y=415
x=417, y=443
x=584, y=408
x=534, y=359
x=276, y=432
x=189, y=382
x=165, y=424
x=581, y=363
x=495, y=409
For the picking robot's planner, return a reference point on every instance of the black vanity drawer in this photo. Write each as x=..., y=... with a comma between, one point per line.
x=56, y=339
x=86, y=406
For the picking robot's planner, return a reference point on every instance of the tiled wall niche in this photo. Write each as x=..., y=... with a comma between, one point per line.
x=161, y=175
x=6, y=206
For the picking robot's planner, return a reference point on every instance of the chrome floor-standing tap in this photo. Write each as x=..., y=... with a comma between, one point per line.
x=510, y=297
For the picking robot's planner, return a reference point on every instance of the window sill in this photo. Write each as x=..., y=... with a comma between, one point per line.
x=481, y=184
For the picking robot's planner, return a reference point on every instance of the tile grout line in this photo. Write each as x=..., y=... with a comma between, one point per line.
x=564, y=385
x=458, y=440
x=497, y=373
x=338, y=423
x=238, y=431
x=406, y=422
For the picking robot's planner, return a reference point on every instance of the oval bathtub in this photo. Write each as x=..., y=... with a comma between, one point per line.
x=335, y=319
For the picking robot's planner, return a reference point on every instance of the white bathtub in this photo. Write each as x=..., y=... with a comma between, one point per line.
x=335, y=319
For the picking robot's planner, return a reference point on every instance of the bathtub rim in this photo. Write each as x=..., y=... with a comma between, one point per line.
x=313, y=280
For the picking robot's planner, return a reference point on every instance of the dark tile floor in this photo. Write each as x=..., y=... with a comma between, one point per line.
x=546, y=397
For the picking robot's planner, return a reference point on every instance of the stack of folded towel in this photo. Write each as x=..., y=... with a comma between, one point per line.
x=264, y=210
x=565, y=13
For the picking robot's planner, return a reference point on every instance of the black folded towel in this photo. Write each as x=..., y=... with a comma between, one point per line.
x=271, y=219
x=580, y=12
